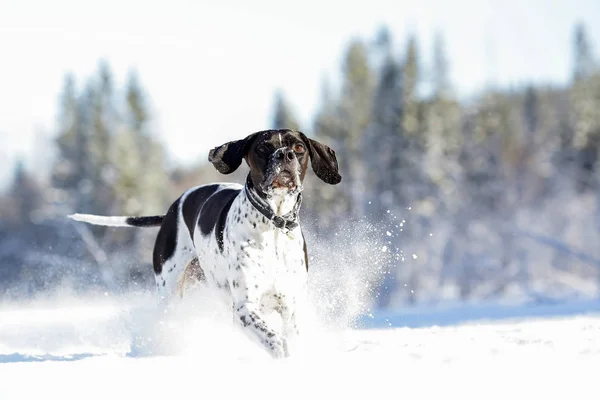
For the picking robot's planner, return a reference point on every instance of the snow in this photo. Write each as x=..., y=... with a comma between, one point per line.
x=120, y=347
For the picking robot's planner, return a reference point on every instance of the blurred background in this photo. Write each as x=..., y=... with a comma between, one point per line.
x=467, y=134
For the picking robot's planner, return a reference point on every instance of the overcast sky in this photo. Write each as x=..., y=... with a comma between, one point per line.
x=211, y=67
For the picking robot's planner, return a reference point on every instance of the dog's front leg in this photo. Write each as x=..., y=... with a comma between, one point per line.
x=247, y=295
x=293, y=315
x=290, y=329
x=248, y=315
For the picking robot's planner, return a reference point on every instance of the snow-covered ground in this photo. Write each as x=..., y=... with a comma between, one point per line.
x=119, y=348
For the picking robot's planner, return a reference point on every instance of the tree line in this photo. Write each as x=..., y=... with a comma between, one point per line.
x=488, y=198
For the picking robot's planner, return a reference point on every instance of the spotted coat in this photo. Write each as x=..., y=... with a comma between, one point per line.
x=233, y=247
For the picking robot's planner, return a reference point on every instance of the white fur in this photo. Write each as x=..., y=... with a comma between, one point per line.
x=100, y=220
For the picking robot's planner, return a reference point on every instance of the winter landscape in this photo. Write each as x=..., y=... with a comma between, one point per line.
x=73, y=347
x=458, y=258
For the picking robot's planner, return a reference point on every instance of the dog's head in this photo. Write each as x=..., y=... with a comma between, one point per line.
x=278, y=160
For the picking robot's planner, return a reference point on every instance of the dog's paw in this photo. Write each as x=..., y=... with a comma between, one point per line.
x=291, y=346
x=277, y=348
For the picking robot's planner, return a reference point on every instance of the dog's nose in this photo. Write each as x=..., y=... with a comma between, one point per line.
x=286, y=155
x=289, y=154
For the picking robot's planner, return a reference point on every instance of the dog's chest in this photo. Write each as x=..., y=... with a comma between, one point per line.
x=284, y=258
x=277, y=258
x=254, y=251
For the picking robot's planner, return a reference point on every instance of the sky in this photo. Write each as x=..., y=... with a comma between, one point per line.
x=211, y=68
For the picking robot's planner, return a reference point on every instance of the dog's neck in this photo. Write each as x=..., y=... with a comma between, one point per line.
x=281, y=209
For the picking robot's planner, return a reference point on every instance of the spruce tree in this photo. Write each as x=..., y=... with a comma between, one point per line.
x=441, y=70
x=410, y=81
x=442, y=131
x=353, y=118
x=382, y=136
x=146, y=169
x=322, y=200
x=71, y=173
x=283, y=117
x=585, y=102
x=584, y=60
x=26, y=194
x=103, y=122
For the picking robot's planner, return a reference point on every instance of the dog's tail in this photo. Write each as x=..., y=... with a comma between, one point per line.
x=139, y=222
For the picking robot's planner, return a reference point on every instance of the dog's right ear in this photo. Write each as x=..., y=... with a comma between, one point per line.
x=227, y=157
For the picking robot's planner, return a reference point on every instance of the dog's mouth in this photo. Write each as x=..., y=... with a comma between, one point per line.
x=284, y=180
x=281, y=179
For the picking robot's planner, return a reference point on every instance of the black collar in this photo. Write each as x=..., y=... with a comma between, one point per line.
x=286, y=222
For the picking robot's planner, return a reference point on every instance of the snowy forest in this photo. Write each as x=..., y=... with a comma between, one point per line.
x=489, y=198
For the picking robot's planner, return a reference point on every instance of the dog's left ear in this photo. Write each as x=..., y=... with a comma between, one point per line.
x=227, y=157
x=323, y=160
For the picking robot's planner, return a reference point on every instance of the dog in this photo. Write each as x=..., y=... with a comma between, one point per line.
x=244, y=240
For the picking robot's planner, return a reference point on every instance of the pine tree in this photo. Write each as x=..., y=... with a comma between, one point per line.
x=410, y=81
x=353, y=118
x=443, y=136
x=382, y=136
x=138, y=114
x=531, y=110
x=584, y=61
x=407, y=181
x=342, y=123
x=26, y=194
x=71, y=173
x=441, y=78
x=382, y=139
x=585, y=117
x=322, y=200
x=283, y=117
x=141, y=160
x=103, y=120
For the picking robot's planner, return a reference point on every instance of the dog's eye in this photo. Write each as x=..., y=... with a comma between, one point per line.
x=299, y=148
x=262, y=149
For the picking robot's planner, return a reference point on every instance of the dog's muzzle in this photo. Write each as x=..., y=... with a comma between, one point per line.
x=283, y=172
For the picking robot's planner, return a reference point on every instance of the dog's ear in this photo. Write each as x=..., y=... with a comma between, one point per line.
x=323, y=160
x=227, y=157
